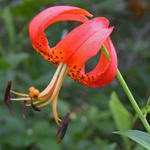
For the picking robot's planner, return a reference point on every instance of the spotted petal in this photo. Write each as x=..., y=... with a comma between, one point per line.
x=48, y=17
x=81, y=44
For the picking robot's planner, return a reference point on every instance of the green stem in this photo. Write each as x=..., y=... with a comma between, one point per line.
x=132, y=100
x=128, y=93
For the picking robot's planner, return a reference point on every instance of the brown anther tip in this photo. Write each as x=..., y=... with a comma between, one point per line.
x=59, y=141
x=10, y=107
x=24, y=108
x=56, y=133
x=63, y=127
x=12, y=112
x=7, y=100
x=7, y=92
x=23, y=116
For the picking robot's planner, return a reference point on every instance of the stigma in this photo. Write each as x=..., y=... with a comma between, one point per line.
x=37, y=99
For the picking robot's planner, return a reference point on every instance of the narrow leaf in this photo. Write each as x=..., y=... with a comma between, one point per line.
x=4, y=64
x=147, y=106
x=140, y=137
x=9, y=24
x=122, y=117
x=16, y=58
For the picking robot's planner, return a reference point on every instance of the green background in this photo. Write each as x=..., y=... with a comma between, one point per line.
x=95, y=112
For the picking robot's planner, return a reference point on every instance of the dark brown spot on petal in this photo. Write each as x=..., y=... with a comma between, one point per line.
x=93, y=77
x=73, y=74
x=75, y=67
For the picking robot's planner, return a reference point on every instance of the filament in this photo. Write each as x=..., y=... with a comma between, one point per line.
x=21, y=94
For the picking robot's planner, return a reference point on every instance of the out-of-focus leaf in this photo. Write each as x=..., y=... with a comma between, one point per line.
x=122, y=117
x=14, y=141
x=29, y=138
x=4, y=64
x=62, y=107
x=15, y=59
x=147, y=106
x=47, y=144
x=2, y=52
x=7, y=16
x=28, y=7
x=41, y=128
x=139, y=147
x=112, y=146
x=140, y=137
x=108, y=4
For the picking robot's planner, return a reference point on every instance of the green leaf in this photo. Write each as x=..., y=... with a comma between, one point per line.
x=47, y=144
x=16, y=58
x=140, y=137
x=147, y=106
x=139, y=147
x=122, y=117
x=112, y=146
x=4, y=64
x=9, y=24
x=2, y=51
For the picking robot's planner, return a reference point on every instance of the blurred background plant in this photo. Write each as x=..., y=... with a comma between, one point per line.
x=95, y=112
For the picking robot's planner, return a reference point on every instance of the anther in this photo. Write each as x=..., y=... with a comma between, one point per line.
x=7, y=92
x=24, y=108
x=7, y=96
x=63, y=127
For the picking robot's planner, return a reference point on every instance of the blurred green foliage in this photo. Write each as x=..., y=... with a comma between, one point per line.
x=94, y=113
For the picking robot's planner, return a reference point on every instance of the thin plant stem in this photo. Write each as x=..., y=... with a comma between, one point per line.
x=129, y=94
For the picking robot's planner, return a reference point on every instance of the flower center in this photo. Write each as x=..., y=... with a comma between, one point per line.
x=50, y=93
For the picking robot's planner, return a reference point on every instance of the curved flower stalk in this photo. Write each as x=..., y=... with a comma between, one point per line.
x=70, y=56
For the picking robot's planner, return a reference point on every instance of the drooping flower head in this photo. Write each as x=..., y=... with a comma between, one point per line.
x=70, y=55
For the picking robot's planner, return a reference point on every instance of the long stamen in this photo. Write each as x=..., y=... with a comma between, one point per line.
x=59, y=83
x=53, y=81
x=20, y=99
x=48, y=95
x=21, y=94
x=55, y=111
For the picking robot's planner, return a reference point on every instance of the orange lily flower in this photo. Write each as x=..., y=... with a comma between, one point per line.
x=70, y=56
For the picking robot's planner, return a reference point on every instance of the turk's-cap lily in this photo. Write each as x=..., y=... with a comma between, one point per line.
x=70, y=56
